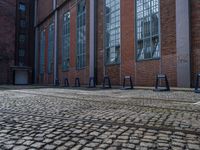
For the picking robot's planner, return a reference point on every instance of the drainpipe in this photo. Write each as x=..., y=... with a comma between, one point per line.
x=92, y=37
x=183, y=43
x=55, y=42
x=36, y=43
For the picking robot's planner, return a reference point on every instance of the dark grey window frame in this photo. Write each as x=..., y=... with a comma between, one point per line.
x=158, y=46
x=66, y=41
x=112, y=47
x=81, y=36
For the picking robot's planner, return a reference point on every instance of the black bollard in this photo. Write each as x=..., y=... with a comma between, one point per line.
x=77, y=82
x=130, y=85
x=197, y=90
x=66, y=82
x=106, y=82
x=158, y=87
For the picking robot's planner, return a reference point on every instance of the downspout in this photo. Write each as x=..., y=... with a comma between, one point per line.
x=92, y=37
x=36, y=43
x=55, y=42
x=95, y=40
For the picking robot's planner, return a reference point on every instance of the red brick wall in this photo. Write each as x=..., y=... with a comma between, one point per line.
x=7, y=39
x=143, y=72
x=47, y=78
x=45, y=7
x=99, y=44
x=147, y=70
x=113, y=71
x=195, y=38
x=168, y=40
x=127, y=39
x=72, y=73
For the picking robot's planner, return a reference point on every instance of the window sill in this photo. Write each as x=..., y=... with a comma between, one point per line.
x=112, y=64
x=79, y=69
x=149, y=59
x=67, y=70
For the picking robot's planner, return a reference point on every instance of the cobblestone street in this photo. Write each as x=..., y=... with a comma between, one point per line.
x=61, y=119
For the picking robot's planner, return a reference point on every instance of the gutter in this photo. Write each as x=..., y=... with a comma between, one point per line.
x=92, y=37
x=36, y=43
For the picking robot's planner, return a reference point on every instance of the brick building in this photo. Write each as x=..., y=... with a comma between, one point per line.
x=95, y=38
x=16, y=41
x=7, y=39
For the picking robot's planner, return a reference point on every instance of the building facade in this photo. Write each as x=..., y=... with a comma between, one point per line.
x=115, y=38
x=7, y=39
x=16, y=41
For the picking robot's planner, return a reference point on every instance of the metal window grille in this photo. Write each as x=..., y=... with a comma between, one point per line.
x=81, y=35
x=50, y=47
x=147, y=29
x=112, y=31
x=66, y=41
x=42, y=51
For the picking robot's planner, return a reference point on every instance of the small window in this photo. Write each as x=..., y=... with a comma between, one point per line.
x=42, y=52
x=22, y=23
x=21, y=56
x=22, y=7
x=22, y=40
x=21, y=52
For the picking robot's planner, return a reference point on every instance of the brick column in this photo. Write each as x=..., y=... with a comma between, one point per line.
x=183, y=43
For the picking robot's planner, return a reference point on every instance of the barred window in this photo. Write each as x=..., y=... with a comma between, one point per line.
x=50, y=47
x=112, y=31
x=22, y=23
x=42, y=51
x=22, y=9
x=21, y=56
x=81, y=35
x=147, y=29
x=22, y=40
x=66, y=41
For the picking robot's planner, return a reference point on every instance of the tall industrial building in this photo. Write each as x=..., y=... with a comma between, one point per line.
x=115, y=38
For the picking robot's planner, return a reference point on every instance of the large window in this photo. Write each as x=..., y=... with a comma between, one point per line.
x=50, y=47
x=112, y=31
x=147, y=27
x=42, y=51
x=66, y=41
x=81, y=35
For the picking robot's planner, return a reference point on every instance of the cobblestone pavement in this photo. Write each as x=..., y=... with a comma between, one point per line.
x=61, y=119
